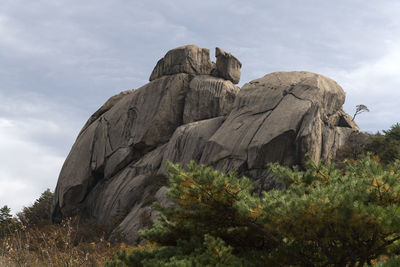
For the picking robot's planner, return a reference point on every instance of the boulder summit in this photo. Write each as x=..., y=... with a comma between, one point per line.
x=192, y=110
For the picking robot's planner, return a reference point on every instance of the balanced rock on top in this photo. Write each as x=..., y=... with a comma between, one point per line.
x=228, y=66
x=189, y=59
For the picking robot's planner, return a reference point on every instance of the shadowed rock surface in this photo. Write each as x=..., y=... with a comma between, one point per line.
x=117, y=166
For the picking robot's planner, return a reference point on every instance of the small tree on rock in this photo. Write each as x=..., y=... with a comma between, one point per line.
x=360, y=109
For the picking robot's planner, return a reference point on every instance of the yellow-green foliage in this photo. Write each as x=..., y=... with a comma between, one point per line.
x=337, y=218
x=325, y=217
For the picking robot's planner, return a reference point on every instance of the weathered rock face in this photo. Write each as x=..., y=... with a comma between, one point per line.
x=208, y=97
x=117, y=166
x=284, y=112
x=228, y=66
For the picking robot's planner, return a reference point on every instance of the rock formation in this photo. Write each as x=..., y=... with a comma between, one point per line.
x=191, y=110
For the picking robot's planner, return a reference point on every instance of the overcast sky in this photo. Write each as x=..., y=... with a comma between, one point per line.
x=61, y=60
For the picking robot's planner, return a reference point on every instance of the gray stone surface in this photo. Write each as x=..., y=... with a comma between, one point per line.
x=279, y=117
x=188, y=142
x=136, y=124
x=141, y=216
x=208, y=97
x=189, y=59
x=117, y=166
x=105, y=107
x=113, y=198
x=228, y=66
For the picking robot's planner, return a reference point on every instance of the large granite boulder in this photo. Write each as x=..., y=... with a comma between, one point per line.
x=117, y=166
x=289, y=113
x=124, y=133
x=189, y=59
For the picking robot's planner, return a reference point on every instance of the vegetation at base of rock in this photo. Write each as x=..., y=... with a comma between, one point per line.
x=6, y=221
x=30, y=239
x=40, y=212
x=327, y=216
x=385, y=145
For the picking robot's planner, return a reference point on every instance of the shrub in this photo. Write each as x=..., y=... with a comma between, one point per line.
x=55, y=245
x=31, y=239
x=326, y=217
x=354, y=148
x=386, y=145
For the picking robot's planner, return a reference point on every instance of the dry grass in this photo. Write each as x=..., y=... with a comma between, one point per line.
x=67, y=244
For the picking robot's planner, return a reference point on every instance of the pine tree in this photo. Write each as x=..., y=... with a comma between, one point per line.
x=386, y=145
x=5, y=221
x=325, y=217
x=40, y=212
x=5, y=214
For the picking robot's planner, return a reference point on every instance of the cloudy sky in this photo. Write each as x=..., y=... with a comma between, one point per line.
x=60, y=60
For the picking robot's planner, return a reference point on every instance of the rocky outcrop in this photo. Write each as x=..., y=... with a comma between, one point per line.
x=117, y=166
x=124, y=133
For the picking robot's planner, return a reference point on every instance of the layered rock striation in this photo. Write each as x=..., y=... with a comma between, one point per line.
x=192, y=110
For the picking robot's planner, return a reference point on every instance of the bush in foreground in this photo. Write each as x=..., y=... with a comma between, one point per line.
x=326, y=217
